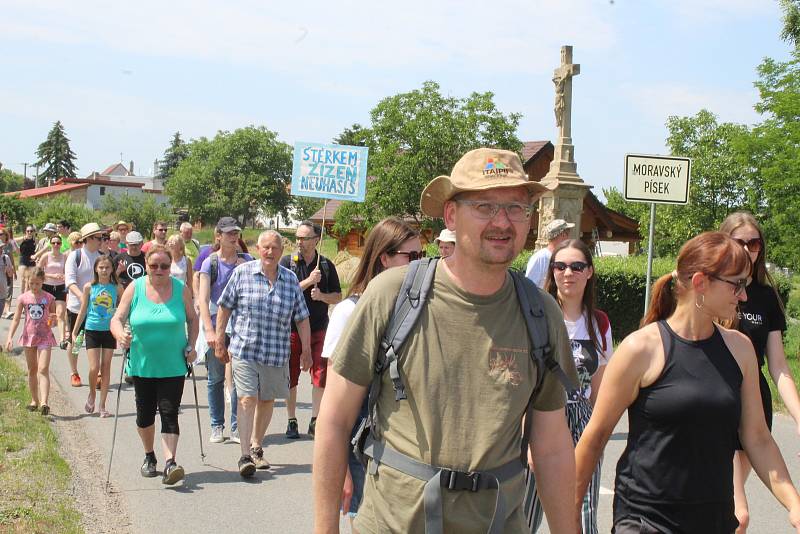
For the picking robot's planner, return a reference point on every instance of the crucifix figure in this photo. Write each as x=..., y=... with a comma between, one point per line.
x=562, y=78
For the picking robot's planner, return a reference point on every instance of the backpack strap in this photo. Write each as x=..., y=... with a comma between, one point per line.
x=603, y=324
x=409, y=304
x=530, y=299
x=214, y=267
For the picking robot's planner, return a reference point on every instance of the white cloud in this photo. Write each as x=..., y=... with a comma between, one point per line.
x=662, y=100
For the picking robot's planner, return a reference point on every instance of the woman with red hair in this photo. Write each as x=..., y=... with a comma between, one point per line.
x=691, y=390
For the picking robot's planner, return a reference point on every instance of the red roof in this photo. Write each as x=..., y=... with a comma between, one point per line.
x=531, y=148
x=44, y=191
x=92, y=181
x=112, y=168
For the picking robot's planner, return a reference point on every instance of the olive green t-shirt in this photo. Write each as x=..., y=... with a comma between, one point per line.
x=468, y=374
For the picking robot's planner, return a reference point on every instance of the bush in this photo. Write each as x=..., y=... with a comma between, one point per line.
x=142, y=211
x=60, y=208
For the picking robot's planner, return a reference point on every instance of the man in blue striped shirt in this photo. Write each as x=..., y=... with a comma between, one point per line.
x=260, y=300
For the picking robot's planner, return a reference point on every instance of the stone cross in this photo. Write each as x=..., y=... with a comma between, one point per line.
x=562, y=78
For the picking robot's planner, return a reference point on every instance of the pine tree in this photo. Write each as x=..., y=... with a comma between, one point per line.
x=55, y=155
x=176, y=152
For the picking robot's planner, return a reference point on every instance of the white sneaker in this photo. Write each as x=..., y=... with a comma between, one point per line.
x=235, y=436
x=216, y=435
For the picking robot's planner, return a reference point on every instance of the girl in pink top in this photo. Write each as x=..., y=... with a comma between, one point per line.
x=38, y=308
x=53, y=263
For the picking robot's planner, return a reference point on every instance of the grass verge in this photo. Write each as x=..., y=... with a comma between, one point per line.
x=791, y=346
x=34, y=480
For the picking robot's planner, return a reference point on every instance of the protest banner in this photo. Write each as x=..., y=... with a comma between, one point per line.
x=330, y=171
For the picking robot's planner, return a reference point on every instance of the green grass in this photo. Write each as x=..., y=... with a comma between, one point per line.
x=791, y=346
x=34, y=479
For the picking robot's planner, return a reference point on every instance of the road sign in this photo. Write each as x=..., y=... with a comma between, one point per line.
x=658, y=179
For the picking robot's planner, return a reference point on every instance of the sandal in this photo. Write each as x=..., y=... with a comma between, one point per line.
x=89, y=407
x=45, y=409
x=32, y=407
x=63, y=344
x=104, y=413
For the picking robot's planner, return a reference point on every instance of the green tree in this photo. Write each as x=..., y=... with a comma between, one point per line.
x=62, y=207
x=723, y=180
x=355, y=135
x=173, y=155
x=141, y=210
x=239, y=174
x=16, y=211
x=775, y=150
x=791, y=21
x=416, y=136
x=55, y=155
x=11, y=181
x=305, y=207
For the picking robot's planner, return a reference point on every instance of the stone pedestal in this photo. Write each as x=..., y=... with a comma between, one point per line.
x=565, y=202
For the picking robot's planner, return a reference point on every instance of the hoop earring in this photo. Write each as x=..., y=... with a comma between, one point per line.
x=702, y=302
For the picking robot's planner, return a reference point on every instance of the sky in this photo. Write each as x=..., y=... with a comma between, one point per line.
x=122, y=77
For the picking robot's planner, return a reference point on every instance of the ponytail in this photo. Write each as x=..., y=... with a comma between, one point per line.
x=662, y=300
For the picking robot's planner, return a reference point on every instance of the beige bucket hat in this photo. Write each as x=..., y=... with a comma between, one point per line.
x=478, y=170
x=91, y=229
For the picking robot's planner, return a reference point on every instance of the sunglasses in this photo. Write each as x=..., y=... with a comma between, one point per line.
x=161, y=229
x=55, y=242
x=104, y=238
x=752, y=245
x=738, y=286
x=575, y=266
x=156, y=266
x=413, y=255
x=302, y=239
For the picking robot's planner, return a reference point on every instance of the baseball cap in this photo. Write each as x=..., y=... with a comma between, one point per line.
x=555, y=227
x=49, y=227
x=227, y=224
x=133, y=237
x=478, y=170
x=448, y=236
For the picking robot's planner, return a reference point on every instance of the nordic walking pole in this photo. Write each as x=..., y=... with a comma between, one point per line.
x=190, y=370
x=116, y=416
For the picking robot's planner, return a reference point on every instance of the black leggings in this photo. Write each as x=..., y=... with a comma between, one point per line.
x=163, y=393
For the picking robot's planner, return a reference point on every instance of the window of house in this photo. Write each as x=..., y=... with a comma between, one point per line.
x=102, y=190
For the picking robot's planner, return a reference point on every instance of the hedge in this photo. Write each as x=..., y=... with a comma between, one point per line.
x=621, y=287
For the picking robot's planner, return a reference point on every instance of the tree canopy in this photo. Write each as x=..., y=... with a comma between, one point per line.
x=172, y=157
x=55, y=156
x=140, y=210
x=238, y=174
x=413, y=138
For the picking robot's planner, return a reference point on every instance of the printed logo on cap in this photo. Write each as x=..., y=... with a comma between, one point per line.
x=494, y=167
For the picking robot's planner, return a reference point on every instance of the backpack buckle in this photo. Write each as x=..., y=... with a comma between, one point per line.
x=460, y=481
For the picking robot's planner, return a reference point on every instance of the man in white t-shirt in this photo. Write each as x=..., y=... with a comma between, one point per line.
x=556, y=232
x=78, y=273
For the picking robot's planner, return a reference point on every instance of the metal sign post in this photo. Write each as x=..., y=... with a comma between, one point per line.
x=656, y=180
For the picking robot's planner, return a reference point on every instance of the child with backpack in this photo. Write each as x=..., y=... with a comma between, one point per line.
x=98, y=303
x=39, y=310
x=570, y=280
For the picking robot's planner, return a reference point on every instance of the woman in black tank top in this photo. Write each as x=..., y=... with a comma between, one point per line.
x=691, y=390
x=761, y=318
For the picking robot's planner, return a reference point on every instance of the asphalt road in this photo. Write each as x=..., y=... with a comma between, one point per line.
x=213, y=497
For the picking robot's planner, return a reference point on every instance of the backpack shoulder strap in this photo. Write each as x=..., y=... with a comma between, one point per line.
x=325, y=267
x=79, y=257
x=603, y=324
x=214, y=267
x=407, y=309
x=531, y=301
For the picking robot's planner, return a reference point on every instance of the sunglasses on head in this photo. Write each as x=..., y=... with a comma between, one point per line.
x=156, y=266
x=413, y=255
x=753, y=245
x=575, y=266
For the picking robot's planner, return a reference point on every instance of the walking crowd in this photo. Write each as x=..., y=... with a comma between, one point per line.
x=449, y=394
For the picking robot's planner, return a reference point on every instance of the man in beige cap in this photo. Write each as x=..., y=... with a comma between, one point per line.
x=468, y=374
x=446, y=242
x=556, y=232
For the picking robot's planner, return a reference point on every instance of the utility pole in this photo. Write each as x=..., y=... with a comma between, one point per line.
x=25, y=173
x=36, y=180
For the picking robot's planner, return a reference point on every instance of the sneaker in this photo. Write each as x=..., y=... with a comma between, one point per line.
x=246, y=466
x=312, y=427
x=235, y=436
x=292, y=431
x=258, y=458
x=172, y=473
x=216, y=434
x=148, y=469
x=75, y=380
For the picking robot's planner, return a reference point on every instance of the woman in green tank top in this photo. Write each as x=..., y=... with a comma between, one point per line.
x=160, y=313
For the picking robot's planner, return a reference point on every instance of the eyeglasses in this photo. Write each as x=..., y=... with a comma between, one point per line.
x=413, y=255
x=156, y=266
x=752, y=245
x=483, y=209
x=575, y=266
x=302, y=239
x=738, y=286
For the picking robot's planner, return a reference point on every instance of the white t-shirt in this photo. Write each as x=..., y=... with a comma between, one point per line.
x=536, y=270
x=338, y=320
x=178, y=269
x=588, y=358
x=79, y=275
